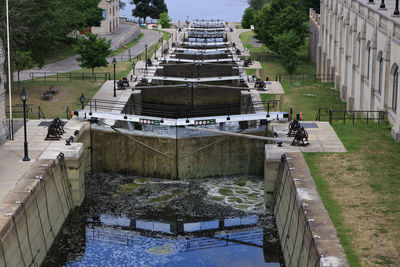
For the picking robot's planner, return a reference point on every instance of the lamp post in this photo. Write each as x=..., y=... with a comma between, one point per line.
x=145, y=54
x=82, y=99
x=24, y=96
x=115, y=89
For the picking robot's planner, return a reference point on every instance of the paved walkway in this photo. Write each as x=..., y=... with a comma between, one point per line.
x=321, y=136
x=71, y=64
x=12, y=168
x=235, y=37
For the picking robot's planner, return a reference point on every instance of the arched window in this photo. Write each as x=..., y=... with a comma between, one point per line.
x=395, y=88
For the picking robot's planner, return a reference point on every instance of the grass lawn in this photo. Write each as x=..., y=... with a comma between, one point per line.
x=361, y=191
x=68, y=95
x=272, y=68
x=128, y=45
x=360, y=188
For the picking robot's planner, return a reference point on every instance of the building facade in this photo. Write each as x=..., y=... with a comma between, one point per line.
x=3, y=118
x=110, y=20
x=359, y=43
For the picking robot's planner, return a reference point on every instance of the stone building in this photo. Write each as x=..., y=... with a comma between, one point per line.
x=110, y=15
x=359, y=43
x=3, y=119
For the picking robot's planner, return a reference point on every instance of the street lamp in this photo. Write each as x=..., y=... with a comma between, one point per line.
x=24, y=96
x=145, y=54
x=82, y=99
x=115, y=89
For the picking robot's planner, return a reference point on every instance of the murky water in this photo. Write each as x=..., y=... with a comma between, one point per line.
x=135, y=221
x=226, y=10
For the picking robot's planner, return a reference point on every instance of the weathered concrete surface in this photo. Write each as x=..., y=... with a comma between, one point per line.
x=307, y=235
x=322, y=139
x=144, y=154
x=40, y=193
x=33, y=213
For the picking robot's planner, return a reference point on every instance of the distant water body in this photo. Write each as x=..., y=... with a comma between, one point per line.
x=226, y=10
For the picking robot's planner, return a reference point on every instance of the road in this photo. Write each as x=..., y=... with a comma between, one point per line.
x=71, y=64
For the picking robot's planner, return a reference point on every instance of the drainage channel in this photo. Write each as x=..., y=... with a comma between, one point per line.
x=136, y=221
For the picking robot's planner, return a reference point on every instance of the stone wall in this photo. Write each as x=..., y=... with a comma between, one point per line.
x=359, y=45
x=313, y=39
x=3, y=119
x=33, y=214
x=307, y=235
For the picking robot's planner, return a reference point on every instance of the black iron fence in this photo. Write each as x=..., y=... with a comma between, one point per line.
x=69, y=76
x=261, y=56
x=32, y=111
x=304, y=77
x=350, y=115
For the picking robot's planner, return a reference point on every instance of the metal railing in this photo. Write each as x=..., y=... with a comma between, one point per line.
x=68, y=76
x=356, y=115
x=186, y=111
x=305, y=77
x=35, y=111
x=261, y=56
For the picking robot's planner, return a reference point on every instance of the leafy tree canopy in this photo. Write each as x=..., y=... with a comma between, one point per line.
x=93, y=51
x=165, y=20
x=148, y=8
x=39, y=27
x=282, y=25
x=248, y=18
x=257, y=4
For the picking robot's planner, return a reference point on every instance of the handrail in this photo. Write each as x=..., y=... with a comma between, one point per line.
x=171, y=111
x=352, y=115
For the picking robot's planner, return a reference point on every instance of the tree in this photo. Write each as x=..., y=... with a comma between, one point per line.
x=287, y=45
x=121, y=5
x=280, y=16
x=248, y=18
x=158, y=7
x=148, y=8
x=282, y=25
x=41, y=26
x=257, y=4
x=23, y=60
x=165, y=20
x=93, y=51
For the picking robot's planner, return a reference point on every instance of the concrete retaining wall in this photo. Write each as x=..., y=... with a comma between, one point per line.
x=148, y=155
x=307, y=235
x=29, y=228
x=32, y=214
